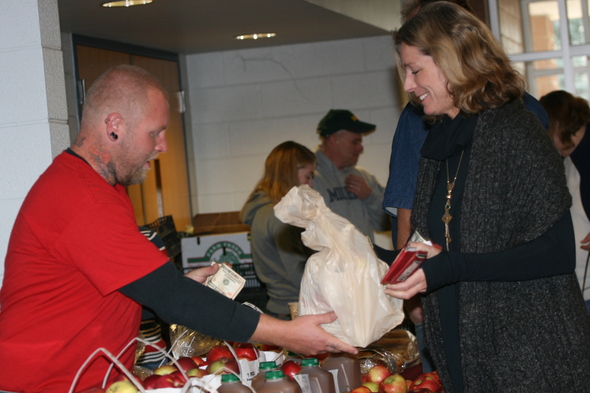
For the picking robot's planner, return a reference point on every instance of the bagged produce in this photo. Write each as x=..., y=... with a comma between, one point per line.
x=344, y=275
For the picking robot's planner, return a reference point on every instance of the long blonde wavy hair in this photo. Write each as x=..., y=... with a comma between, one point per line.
x=479, y=74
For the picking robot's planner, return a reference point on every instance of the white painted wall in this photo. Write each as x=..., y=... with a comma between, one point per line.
x=244, y=103
x=33, y=128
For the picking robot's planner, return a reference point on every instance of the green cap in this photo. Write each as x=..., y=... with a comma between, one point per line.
x=278, y=374
x=310, y=362
x=342, y=119
x=229, y=378
x=268, y=365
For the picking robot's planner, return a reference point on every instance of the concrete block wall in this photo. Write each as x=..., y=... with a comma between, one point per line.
x=33, y=113
x=244, y=103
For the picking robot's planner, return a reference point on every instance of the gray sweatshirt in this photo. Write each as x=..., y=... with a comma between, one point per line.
x=366, y=214
x=278, y=253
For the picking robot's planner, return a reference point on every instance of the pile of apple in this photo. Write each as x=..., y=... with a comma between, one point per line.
x=380, y=380
x=219, y=360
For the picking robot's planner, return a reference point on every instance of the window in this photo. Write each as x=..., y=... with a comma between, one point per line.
x=548, y=41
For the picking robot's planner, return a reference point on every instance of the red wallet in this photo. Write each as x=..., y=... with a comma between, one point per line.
x=407, y=261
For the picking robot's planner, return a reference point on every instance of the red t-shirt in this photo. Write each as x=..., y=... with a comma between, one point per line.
x=75, y=242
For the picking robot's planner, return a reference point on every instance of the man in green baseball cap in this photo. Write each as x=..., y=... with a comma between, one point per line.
x=348, y=190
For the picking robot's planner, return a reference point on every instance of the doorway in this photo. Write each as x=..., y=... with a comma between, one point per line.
x=165, y=190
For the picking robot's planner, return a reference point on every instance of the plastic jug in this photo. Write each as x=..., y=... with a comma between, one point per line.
x=349, y=371
x=230, y=383
x=276, y=382
x=320, y=380
x=260, y=378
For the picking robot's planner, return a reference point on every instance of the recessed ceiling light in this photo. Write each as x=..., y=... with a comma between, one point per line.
x=126, y=3
x=255, y=36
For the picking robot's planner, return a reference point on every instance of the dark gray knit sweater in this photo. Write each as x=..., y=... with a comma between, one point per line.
x=524, y=336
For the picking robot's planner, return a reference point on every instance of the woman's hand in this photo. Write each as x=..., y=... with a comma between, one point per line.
x=413, y=285
x=416, y=283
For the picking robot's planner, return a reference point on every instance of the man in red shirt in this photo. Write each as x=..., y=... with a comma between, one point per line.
x=78, y=270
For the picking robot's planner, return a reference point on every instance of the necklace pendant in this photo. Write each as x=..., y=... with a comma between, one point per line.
x=447, y=217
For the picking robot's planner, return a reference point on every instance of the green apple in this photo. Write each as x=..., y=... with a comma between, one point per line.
x=122, y=387
x=374, y=386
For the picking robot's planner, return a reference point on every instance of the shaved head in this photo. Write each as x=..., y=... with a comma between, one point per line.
x=122, y=89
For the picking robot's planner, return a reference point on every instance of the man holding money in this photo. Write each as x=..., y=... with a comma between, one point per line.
x=77, y=268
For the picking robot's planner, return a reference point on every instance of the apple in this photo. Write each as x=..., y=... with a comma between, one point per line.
x=218, y=351
x=374, y=386
x=186, y=363
x=425, y=382
x=378, y=373
x=291, y=368
x=172, y=380
x=197, y=372
x=223, y=366
x=361, y=389
x=394, y=383
x=165, y=369
x=149, y=382
x=122, y=387
x=198, y=360
x=245, y=351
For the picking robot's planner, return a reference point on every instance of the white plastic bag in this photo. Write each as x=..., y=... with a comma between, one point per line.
x=344, y=275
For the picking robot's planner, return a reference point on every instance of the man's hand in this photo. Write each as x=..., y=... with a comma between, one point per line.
x=358, y=186
x=201, y=274
x=303, y=335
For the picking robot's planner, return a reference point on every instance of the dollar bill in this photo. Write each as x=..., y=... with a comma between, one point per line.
x=226, y=281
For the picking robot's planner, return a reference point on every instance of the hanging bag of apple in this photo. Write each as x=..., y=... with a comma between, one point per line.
x=344, y=276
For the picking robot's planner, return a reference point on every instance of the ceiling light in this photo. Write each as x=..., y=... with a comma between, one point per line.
x=255, y=36
x=126, y=3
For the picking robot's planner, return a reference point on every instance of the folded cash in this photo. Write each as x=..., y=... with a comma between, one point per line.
x=226, y=281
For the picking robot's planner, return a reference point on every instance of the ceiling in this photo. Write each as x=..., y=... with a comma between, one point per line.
x=197, y=26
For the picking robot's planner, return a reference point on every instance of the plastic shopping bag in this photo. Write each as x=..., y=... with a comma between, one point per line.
x=344, y=275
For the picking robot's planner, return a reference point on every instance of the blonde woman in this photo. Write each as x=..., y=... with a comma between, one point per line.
x=501, y=295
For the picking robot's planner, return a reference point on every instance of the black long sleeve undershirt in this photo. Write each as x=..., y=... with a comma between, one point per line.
x=551, y=254
x=178, y=299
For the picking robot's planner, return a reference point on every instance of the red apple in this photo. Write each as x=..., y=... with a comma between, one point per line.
x=374, y=386
x=222, y=365
x=197, y=372
x=122, y=387
x=150, y=382
x=394, y=383
x=198, y=360
x=425, y=382
x=218, y=351
x=186, y=363
x=433, y=374
x=378, y=373
x=172, y=380
x=291, y=368
x=245, y=351
x=165, y=369
x=361, y=389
